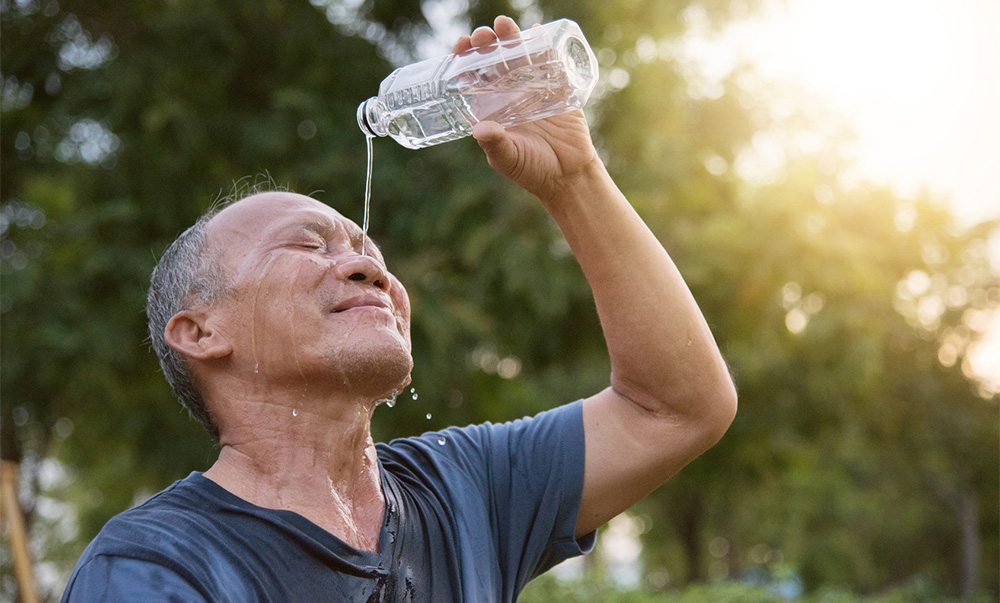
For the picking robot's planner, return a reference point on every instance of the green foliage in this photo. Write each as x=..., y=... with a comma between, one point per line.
x=548, y=588
x=862, y=455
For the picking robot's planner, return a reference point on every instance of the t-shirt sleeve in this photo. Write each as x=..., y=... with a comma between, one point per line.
x=530, y=472
x=112, y=578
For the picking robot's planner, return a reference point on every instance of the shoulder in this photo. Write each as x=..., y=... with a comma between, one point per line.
x=168, y=517
x=487, y=456
x=473, y=444
x=144, y=547
x=104, y=577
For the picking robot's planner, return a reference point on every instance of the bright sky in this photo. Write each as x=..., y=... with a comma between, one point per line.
x=920, y=79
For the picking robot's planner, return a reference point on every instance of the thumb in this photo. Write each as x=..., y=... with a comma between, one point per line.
x=499, y=148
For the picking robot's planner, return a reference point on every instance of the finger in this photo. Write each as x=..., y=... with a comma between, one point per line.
x=463, y=44
x=505, y=27
x=488, y=133
x=510, y=39
x=499, y=148
x=483, y=36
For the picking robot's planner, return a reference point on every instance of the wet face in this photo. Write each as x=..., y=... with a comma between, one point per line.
x=307, y=310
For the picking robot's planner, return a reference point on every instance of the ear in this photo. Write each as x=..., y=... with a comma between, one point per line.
x=191, y=333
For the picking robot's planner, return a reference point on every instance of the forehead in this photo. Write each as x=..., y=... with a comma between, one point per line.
x=261, y=214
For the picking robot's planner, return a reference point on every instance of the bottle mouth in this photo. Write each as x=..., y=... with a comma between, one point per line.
x=581, y=64
x=363, y=110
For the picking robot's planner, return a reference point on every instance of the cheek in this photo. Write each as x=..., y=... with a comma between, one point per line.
x=399, y=297
x=278, y=300
x=403, y=325
x=401, y=302
x=402, y=320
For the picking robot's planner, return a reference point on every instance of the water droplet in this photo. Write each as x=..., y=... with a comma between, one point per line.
x=689, y=343
x=295, y=412
x=389, y=400
x=428, y=416
x=413, y=392
x=256, y=368
x=442, y=441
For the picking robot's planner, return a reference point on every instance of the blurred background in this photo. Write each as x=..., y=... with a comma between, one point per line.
x=824, y=173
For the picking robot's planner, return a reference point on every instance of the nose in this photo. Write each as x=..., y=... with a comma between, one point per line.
x=362, y=268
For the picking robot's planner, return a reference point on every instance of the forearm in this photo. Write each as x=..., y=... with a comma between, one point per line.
x=671, y=395
x=663, y=355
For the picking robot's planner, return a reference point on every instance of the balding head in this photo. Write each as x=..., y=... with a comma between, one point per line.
x=298, y=262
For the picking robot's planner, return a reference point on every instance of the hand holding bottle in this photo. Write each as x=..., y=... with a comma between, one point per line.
x=544, y=157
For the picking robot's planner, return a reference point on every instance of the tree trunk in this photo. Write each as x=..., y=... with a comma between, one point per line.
x=17, y=532
x=689, y=522
x=968, y=517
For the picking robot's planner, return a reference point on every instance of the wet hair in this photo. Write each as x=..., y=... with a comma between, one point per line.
x=187, y=275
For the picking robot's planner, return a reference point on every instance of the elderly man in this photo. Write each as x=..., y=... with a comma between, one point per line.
x=281, y=329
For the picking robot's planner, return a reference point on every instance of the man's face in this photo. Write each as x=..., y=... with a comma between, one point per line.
x=307, y=309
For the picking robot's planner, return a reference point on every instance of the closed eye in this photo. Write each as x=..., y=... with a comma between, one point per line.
x=312, y=243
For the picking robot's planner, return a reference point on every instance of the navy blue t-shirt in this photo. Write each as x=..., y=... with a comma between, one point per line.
x=472, y=514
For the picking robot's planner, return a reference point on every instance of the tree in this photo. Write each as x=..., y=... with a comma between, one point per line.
x=845, y=312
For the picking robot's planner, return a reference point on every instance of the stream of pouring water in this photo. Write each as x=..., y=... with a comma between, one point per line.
x=389, y=401
x=368, y=194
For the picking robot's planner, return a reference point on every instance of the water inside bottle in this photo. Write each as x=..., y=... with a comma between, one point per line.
x=533, y=86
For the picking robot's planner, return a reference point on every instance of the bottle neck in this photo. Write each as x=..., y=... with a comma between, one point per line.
x=368, y=113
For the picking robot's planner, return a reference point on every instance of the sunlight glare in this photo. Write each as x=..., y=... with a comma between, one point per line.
x=983, y=359
x=918, y=79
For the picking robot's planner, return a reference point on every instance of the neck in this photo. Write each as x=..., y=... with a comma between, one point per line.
x=313, y=457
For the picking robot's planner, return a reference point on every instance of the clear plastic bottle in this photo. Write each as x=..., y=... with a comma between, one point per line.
x=549, y=69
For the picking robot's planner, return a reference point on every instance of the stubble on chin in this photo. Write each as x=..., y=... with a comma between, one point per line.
x=373, y=371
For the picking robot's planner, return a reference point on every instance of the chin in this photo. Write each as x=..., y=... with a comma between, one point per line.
x=378, y=370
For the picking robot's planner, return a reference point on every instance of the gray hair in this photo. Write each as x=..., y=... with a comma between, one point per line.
x=187, y=275
x=184, y=277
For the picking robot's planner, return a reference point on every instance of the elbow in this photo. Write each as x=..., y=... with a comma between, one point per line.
x=720, y=412
x=711, y=411
x=704, y=407
x=714, y=404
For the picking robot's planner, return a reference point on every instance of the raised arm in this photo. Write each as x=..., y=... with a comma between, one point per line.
x=671, y=395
